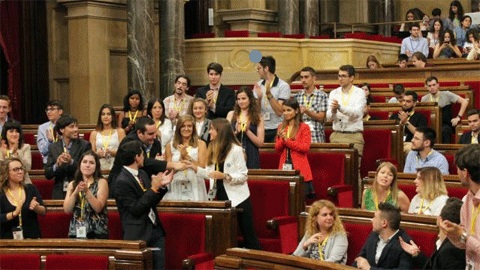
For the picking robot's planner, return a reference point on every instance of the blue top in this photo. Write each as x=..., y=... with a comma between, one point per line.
x=434, y=159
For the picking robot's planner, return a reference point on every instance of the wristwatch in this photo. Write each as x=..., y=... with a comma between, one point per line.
x=463, y=238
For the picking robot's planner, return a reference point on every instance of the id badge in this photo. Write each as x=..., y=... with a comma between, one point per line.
x=81, y=229
x=287, y=167
x=151, y=215
x=65, y=185
x=17, y=233
x=186, y=186
x=212, y=193
x=266, y=116
x=404, y=138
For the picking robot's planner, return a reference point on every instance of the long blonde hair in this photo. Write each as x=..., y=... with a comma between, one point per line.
x=393, y=186
x=433, y=184
x=312, y=224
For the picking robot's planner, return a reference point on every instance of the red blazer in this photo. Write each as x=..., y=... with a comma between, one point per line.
x=299, y=147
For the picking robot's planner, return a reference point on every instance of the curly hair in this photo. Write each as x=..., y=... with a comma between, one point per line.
x=312, y=224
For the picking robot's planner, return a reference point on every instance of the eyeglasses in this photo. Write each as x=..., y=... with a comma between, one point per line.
x=343, y=76
x=18, y=169
x=50, y=109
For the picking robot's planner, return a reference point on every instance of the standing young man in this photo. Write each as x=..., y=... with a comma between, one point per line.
x=271, y=93
x=220, y=99
x=178, y=104
x=46, y=134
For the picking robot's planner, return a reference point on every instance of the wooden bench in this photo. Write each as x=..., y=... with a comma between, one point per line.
x=461, y=128
x=335, y=180
x=123, y=254
x=239, y=258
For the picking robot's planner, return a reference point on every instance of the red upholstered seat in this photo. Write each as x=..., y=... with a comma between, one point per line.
x=377, y=145
x=357, y=35
x=357, y=235
x=57, y=261
x=29, y=138
x=269, y=160
x=44, y=186
x=203, y=35
x=185, y=236
x=426, y=240
x=277, y=194
x=270, y=34
x=114, y=226
x=379, y=85
x=380, y=115
x=475, y=85
x=413, y=84
x=85, y=136
x=452, y=168
x=20, y=261
x=296, y=86
x=236, y=33
x=54, y=225
x=320, y=37
x=37, y=161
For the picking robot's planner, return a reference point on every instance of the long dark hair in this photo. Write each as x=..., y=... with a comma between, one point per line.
x=16, y=126
x=97, y=174
x=460, y=11
x=293, y=103
x=253, y=110
x=126, y=103
x=150, y=104
x=219, y=147
x=100, y=126
x=453, y=40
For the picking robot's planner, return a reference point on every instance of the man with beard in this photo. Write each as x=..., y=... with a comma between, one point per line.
x=177, y=104
x=408, y=119
x=422, y=154
x=466, y=235
x=220, y=99
x=313, y=105
x=472, y=136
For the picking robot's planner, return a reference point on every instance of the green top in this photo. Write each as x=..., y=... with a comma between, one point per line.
x=370, y=202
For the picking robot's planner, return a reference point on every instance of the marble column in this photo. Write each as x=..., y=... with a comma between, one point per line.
x=288, y=17
x=172, y=44
x=385, y=14
x=311, y=17
x=141, y=47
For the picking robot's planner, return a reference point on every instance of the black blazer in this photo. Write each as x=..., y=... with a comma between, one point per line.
x=466, y=138
x=66, y=171
x=224, y=104
x=150, y=165
x=134, y=206
x=392, y=257
x=446, y=257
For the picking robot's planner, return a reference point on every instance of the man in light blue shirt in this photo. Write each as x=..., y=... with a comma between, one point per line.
x=415, y=42
x=422, y=154
x=46, y=134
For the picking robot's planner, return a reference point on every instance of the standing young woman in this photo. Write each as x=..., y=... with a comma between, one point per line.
x=455, y=14
x=435, y=32
x=247, y=123
x=132, y=110
x=106, y=137
x=431, y=192
x=87, y=198
x=156, y=111
x=293, y=142
x=227, y=171
x=20, y=203
x=13, y=146
x=385, y=189
x=186, y=145
x=325, y=237
x=199, y=110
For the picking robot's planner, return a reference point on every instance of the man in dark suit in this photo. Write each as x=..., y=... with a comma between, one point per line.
x=446, y=255
x=63, y=155
x=220, y=98
x=382, y=249
x=145, y=132
x=137, y=197
x=472, y=136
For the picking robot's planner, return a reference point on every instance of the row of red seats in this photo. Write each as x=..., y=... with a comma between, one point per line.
x=53, y=262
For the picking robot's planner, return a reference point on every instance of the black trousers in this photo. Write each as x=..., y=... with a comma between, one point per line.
x=245, y=219
x=270, y=135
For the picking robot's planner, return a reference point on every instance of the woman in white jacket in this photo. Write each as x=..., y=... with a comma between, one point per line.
x=227, y=171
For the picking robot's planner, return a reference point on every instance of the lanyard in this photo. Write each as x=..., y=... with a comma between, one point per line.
x=130, y=115
x=50, y=129
x=107, y=141
x=9, y=153
x=375, y=198
x=140, y=183
x=349, y=94
x=474, y=139
x=82, y=204
x=289, y=131
x=321, y=246
x=421, y=210
x=434, y=99
x=178, y=107
x=158, y=124
x=414, y=49
x=475, y=212
x=243, y=124
x=16, y=203
x=310, y=100
x=66, y=149
x=416, y=158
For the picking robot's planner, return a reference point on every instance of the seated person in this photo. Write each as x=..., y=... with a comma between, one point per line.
x=373, y=63
x=325, y=238
x=415, y=42
x=472, y=136
x=431, y=192
x=446, y=46
x=419, y=60
x=366, y=116
x=385, y=189
x=402, y=61
x=423, y=154
x=399, y=92
x=409, y=119
x=446, y=255
x=382, y=249
x=472, y=38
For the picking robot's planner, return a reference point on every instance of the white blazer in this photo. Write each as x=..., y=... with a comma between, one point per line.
x=235, y=165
